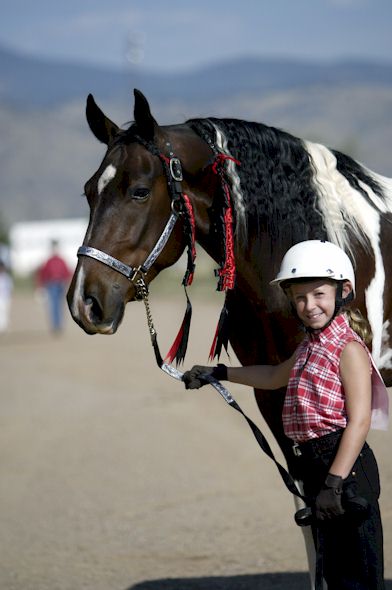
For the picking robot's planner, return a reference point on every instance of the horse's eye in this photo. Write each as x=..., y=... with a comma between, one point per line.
x=139, y=194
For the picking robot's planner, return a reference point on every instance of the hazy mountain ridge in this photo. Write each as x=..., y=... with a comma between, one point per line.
x=43, y=83
x=48, y=152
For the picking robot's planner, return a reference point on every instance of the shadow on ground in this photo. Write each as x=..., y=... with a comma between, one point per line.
x=277, y=581
x=293, y=581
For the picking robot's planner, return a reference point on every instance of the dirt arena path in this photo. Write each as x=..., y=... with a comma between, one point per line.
x=113, y=477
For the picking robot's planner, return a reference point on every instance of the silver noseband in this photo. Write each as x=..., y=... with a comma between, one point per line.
x=135, y=275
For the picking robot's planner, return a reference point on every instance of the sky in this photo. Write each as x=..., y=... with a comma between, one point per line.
x=187, y=34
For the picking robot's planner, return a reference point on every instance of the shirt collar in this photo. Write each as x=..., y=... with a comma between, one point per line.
x=333, y=330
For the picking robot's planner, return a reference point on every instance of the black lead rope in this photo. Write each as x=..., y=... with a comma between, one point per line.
x=262, y=442
x=259, y=436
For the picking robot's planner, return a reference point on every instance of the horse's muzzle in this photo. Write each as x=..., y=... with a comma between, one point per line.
x=95, y=314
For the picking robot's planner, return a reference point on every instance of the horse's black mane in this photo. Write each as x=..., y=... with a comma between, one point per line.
x=276, y=177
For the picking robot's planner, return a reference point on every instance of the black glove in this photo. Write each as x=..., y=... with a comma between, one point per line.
x=193, y=379
x=329, y=499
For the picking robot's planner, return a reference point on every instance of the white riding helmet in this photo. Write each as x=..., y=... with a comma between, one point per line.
x=315, y=259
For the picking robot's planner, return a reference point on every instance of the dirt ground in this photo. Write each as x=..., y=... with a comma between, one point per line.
x=113, y=477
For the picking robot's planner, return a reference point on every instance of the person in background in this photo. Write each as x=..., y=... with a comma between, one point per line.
x=53, y=276
x=6, y=287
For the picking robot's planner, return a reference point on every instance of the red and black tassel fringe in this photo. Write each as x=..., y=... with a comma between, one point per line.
x=226, y=272
x=178, y=349
x=191, y=237
x=221, y=338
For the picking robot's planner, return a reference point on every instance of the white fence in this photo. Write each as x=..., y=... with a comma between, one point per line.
x=30, y=243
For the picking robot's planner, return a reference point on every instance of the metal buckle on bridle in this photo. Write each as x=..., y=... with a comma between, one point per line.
x=137, y=280
x=177, y=206
x=176, y=169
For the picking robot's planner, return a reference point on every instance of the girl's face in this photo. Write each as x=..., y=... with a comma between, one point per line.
x=315, y=301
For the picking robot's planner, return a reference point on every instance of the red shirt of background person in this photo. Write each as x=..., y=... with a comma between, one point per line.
x=54, y=270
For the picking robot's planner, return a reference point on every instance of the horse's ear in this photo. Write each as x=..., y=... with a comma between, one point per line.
x=103, y=128
x=144, y=120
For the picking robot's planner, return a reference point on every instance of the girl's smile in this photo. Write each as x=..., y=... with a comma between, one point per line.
x=315, y=301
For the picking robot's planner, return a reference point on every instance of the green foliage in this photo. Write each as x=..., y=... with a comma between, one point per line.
x=4, y=237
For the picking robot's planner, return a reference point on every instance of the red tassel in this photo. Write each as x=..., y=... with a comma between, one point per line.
x=226, y=273
x=191, y=215
x=212, y=354
x=221, y=338
x=188, y=278
x=180, y=344
x=220, y=158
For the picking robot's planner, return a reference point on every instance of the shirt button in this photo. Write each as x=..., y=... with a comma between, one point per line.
x=354, y=473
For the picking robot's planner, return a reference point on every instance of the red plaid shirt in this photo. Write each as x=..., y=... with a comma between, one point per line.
x=315, y=403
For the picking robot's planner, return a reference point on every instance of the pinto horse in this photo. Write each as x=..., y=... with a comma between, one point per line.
x=246, y=193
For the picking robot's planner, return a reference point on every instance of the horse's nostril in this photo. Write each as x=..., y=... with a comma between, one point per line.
x=95, y=308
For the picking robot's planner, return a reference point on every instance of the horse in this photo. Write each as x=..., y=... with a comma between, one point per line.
x=246, y=192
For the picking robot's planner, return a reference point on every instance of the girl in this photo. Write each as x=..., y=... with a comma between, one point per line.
x=332, y=386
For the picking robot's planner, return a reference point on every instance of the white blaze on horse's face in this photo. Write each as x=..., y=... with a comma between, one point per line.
x=77, y=300
x=107, y=175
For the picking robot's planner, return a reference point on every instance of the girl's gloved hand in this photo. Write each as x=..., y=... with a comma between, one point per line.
x=193, y=379
x=329, y=499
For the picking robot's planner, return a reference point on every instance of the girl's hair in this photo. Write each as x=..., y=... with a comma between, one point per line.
x=358, y=323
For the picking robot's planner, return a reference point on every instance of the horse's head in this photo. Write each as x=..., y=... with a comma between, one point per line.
x=131, y=200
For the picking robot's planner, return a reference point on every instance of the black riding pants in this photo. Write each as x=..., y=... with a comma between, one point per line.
x=351, y=545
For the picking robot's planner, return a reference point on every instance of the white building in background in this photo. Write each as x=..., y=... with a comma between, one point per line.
x=30, y=243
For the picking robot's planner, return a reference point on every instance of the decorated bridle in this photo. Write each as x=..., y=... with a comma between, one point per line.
x=181, y=206
x=136, y=275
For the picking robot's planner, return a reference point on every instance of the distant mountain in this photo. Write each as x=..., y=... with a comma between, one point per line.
x=27, y=81
x=48, y=152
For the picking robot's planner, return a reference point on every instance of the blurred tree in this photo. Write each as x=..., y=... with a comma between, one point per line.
x=4, y=236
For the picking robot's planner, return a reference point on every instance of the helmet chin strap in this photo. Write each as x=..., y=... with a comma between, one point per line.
x=340, y=301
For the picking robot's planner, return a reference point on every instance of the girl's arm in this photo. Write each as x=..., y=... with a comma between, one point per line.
x=258, y=376
x=355, y=372
x=262, y=376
